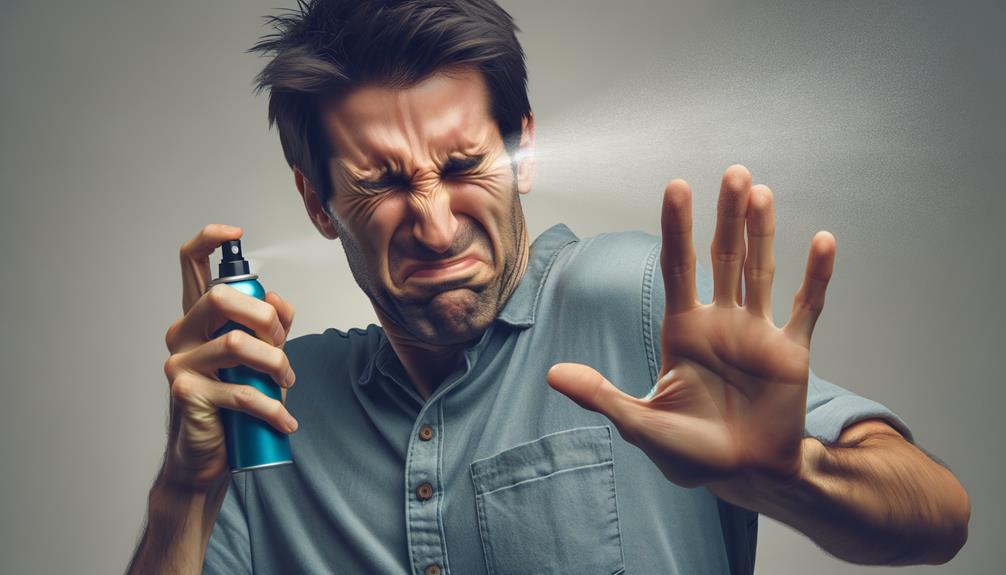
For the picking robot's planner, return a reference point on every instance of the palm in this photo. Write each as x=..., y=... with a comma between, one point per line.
x=731, y=395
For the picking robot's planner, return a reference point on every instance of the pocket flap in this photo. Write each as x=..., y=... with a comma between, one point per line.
x=549, y=454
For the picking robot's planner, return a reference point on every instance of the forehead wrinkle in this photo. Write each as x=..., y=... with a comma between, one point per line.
x=379, y=148
x=408, y=130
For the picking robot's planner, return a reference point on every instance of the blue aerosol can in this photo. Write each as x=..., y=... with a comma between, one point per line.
x=251, y=442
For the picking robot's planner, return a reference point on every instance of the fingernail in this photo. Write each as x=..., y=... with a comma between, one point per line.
x=291, y=423
x=230, y=229
x=290, y=376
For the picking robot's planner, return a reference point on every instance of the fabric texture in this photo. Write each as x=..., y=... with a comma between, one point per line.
x=497, y=473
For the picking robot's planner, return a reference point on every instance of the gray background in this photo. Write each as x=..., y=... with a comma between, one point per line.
x=125, y=126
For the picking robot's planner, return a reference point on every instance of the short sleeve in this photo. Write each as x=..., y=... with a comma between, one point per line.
x=830, y=408
x=229, y=548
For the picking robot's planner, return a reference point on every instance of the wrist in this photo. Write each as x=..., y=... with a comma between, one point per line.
x=172, y=504
x=770, y=493
x=804, y=489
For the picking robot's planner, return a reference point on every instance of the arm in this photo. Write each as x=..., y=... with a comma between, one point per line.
x=871, y=498
x=178, y=529
x=728, y=410
x=190, y=489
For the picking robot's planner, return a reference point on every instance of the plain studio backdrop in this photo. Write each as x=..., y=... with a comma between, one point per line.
x=126, y=126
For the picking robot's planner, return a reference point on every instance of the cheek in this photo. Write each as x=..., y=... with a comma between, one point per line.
x=373, y=222
x=489, y=198
x=492, y=209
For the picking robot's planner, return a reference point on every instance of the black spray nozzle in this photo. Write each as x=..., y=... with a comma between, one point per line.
x=232, y=263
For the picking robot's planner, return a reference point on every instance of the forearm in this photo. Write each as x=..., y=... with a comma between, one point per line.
x=179, y=523
x=876, y=499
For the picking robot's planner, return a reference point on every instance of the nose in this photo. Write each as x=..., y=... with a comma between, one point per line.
x=435, y=225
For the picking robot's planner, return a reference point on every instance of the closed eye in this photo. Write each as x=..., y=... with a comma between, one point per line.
x=454, y=166
x=458, y=166
x=385, y=182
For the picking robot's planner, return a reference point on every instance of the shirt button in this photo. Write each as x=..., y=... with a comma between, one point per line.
x=424, y=492
x=426, y=433
x=433, y=570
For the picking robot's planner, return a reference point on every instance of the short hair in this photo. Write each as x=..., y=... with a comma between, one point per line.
x=328, y=47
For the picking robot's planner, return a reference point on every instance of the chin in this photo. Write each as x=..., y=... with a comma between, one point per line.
x=457, y=316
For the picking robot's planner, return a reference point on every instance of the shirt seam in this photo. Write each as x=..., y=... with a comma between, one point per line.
x=544, y=277
x=546, y=476
x=647, y=311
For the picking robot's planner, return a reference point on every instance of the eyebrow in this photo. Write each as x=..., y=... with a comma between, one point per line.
x=391, y=178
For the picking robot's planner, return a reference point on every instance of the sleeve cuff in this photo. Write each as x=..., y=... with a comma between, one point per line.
x=826, y=421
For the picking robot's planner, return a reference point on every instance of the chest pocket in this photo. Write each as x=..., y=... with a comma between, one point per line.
x=548, y=506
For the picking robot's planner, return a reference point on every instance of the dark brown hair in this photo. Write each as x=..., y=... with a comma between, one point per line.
x=328, y=47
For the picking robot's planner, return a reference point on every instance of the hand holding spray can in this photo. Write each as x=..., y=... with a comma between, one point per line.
x=251, y=442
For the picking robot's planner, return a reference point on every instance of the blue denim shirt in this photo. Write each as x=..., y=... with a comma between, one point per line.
x=496, y=473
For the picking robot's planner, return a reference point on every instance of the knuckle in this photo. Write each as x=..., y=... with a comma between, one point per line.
x=726, y=256
x=679, y=269
x=234, y=341
x=218, y=295
x=244, y=397
x=759, y=273
x=182, y=388
x=171, y=366
x=275, y=408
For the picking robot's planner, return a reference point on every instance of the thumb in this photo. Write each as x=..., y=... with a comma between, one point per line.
x=591, y=390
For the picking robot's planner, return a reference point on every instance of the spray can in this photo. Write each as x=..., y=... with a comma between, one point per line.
x=251, y=442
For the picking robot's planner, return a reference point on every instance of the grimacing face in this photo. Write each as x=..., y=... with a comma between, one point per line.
x=426, y=203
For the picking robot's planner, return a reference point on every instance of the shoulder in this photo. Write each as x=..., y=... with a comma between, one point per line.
x=604, y=284
x=607, y=265
x=333, y=349
x=327, y=365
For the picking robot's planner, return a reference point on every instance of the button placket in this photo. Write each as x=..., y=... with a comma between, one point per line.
x=425, y=496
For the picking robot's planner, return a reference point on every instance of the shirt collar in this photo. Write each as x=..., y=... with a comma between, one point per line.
x=520, y=309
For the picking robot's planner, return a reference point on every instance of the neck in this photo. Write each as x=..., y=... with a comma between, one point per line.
x=427, y=365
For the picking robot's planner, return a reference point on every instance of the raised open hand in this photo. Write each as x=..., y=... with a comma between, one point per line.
x=730, y=402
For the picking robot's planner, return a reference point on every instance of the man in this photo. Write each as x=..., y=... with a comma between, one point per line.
x=432, y=444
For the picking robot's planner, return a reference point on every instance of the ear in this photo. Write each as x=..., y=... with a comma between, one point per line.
x=319, y=217
x=525, y=155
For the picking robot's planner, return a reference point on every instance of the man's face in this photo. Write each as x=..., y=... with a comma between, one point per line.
x=425, y=202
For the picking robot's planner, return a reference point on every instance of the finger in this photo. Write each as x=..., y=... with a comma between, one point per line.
x=195, y=260
x=759, y=265
x=590, y=390
x=229, y=350
x=677, y=253
x=283, y=308
x=199, y=392
x=727, y=249
x=809, y=300
x=219, y=305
